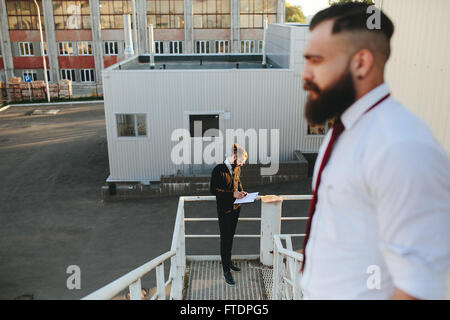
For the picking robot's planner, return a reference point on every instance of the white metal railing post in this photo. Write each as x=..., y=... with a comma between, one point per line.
x=270, y=226
x=160, y=283
x=276, y=272
x=135, y=290
x=178, y=261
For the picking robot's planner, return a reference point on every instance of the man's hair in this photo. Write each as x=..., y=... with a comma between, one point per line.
x=353, y=17
x=241, y=153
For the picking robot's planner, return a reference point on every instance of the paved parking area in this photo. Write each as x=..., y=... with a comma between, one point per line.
x=52, y=216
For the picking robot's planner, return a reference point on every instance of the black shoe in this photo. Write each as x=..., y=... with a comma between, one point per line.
x=235, y=268
x=229, y=278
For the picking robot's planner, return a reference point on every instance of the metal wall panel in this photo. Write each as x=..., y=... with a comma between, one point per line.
x=419, y=69
x=254, y=98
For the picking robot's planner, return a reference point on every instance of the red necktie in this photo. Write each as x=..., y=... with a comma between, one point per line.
x=338, y=128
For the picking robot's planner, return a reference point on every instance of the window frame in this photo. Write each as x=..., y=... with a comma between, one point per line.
x=159, y=46
x=71, y=72
x=107, y=44
x=26, y=45
x=61, y=45
x=33, y=73
x=135, y=114
x=88, y=45
x=206, y=46
x=218, y=43
x=87, y=71
x=176, y=44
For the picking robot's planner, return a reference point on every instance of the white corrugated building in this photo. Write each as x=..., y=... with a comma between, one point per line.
x=226, y=91
x=419, y=69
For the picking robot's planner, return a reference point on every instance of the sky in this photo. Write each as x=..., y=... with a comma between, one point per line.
x=309, y=7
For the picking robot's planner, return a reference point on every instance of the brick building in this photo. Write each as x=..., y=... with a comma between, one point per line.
x=84, y=37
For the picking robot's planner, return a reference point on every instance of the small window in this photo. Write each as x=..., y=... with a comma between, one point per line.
x=32, y=74
x=222, y=46
x=68, y=74
x=65, y=48
x=131, y=125
x=26, y=49
x=84, y=48
x=204, y=122
x=176, y=47
x=202, y=46
x=159, y=47
x=87, y=75
x=248, y=46
x=111, y=48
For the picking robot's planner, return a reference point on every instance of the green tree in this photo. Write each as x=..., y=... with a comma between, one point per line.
x=294, y=14
x=331, y=2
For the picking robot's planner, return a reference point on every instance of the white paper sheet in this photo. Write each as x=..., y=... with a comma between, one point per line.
x=249, y=198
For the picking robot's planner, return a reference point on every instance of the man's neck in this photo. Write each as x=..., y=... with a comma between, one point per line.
x=364, y=88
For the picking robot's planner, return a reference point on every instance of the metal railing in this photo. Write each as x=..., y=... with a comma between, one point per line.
x=286, y=274
x=270, y=245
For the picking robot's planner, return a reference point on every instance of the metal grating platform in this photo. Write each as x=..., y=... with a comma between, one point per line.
x=206, y=282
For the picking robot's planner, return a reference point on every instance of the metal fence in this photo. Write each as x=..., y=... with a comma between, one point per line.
x=270, y=253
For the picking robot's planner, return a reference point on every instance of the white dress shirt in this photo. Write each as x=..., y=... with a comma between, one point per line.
x=382, y=219
x=228, y=164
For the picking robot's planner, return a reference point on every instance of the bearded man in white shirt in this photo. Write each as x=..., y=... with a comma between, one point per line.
x=379, y=224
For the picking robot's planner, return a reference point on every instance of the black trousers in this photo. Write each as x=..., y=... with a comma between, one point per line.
x=227, y=225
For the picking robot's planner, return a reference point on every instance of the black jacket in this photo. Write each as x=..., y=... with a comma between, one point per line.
x=222, y=187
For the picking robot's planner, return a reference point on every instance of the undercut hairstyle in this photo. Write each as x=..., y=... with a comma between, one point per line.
x=352, y=18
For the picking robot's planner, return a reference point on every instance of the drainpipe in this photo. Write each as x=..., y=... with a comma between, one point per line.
x=128, y=52
x=151, y=46
x=135, y=29
x=264, y=41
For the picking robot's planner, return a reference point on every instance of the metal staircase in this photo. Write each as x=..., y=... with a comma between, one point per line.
x=271, y=274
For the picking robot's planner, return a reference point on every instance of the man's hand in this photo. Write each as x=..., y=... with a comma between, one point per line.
x=239, y=195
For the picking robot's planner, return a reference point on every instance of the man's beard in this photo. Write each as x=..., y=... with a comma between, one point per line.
x=330, y=102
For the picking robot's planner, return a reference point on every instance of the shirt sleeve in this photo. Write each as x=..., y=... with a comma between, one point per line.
x=409, y=182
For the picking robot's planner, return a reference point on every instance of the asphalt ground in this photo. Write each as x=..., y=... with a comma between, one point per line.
x=52, y=215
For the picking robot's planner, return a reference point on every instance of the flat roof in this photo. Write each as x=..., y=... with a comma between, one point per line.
x=196, y=61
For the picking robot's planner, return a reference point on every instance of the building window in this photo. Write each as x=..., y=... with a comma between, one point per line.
x=176, y=46
x=248, y=46
x=253, y=12
x=211, y=14
x=22, y=15
x=68, y=74
x=131, y=125
x=260, y=46
x=48, y=75
x=165, y=14
x=111, y=48
x=222, y=46
x=65, y=48
x=159, y=47
x=199, y=124
x=320, y=129
x=30, y=73
x=26, y=49
x=202, y=46
x=87, y=75
x=84, y=48
x=111, y=13
x=71, y=14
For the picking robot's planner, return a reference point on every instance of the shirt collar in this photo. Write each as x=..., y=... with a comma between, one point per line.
x=357, y=110
x=227, y=163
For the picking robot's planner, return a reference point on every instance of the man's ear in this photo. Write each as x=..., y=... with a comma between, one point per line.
x=362, y=63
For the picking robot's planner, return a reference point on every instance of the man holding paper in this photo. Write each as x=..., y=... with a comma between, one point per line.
x=226, y=186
